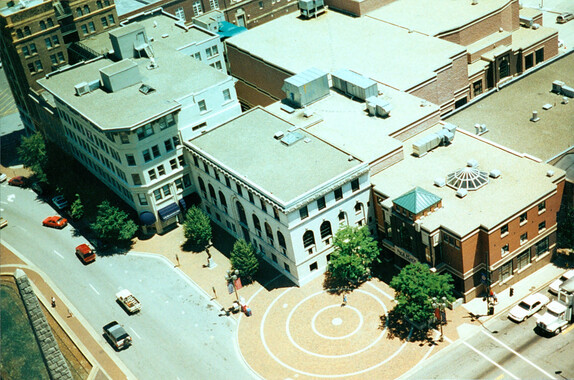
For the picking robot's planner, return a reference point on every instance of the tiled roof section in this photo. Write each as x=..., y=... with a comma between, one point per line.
x=417, y=200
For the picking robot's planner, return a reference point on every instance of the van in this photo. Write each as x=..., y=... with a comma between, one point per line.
x=564, y=17
x=85, y=253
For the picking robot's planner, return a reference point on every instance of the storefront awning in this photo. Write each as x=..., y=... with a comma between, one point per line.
x=147, y=218
x=169, y=211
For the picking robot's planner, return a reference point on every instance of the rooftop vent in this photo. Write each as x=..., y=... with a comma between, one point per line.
x=287, y=109
x=480, y=129
x=308, y=113
x=82, y=88
x=549, y=173
x=292, y=137
x=472, y=163
x=378, y=107
x=146, y=89
x=429, y=142
x=306, y=87
x=311, y=8
x=494, y=173
x=534, y=117
x=354, y=85
x=278, y=135
x=350, y=158
x=439, y=182
x=461, y=193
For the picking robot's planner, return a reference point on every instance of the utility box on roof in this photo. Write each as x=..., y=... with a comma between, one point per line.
x=306, y=87
x=354, y=85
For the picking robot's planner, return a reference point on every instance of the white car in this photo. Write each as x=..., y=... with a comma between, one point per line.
x=528, y=306
x=3, y=177
x=60, y=202
x=556, y=284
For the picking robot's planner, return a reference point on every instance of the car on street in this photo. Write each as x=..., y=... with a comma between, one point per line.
x=564, y=17
x=556, y=284
x=19, y=181
x=85, y=253
x=55, y=222
x=3, y=222
x=528, y=307
x=60, y=202
x=117, y=335
x=3, y=177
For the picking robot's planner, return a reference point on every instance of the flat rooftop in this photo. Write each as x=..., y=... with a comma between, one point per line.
x=335, y=41
x=446, y=15
x=6, y=10
x=176, y=75
x=507, y=113
x=346, y=124
x=247, y=146
x=128, y=6
x=522, y=182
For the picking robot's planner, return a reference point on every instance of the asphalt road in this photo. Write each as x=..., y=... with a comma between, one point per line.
x=502, y=349
x=177, y=335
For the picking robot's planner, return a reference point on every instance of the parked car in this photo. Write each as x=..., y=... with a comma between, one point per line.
x=60, y=202
x=3, y=177
x=55, y=222
x=117, y=335
x=564, y=17
x=85, y=253
x=528, y=307
x=19, y=181
x=556, y=284
x=3, y=222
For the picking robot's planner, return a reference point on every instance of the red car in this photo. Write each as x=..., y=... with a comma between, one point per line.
x=85, y=253
x=55, y=222
x=19, y=181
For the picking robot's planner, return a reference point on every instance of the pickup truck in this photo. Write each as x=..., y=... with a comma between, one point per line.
x=128, y=301
x=117, y=335
x=559, y=313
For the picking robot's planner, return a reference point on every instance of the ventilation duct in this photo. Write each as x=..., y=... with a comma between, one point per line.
x=306, y=87
x=378, y=107
x=429, y=142
x=354, y=85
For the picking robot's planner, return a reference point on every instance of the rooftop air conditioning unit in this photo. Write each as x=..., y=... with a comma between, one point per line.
x=461, y=193
x=439, y=182
x=494, y=173
x=82, y=88
x=278, y=135
x=550, y=173
x=472, y=163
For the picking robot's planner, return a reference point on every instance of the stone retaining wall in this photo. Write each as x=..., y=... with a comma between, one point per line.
x=57, y=365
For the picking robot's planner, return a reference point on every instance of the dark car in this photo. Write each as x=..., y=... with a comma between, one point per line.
x=19, y=181
x=117, y=335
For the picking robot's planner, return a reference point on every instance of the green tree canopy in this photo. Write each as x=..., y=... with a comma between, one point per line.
x=113, y=224
x=77, y=208
x=197, y=227
x=415, y=286
x=244, y=260
x=354, y=253
x=33, y=154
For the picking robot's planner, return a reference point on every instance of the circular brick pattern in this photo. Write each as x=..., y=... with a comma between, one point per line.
x=336, y=322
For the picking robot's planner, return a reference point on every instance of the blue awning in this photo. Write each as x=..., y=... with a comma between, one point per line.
x=169, y=211
x=147, y=218
x=227, y=29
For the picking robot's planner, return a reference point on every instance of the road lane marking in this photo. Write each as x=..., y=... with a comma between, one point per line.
x=58, y=253
x=10, y=198
x=500, y=377
x=490, y=360
x=94, y=289
x=517, y=354
x=136, y=334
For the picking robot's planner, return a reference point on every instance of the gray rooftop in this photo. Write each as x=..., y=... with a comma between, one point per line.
x=507, y=113
x=346, y=124
x=177, y=75
x=128, y=6
x=334, y=41
x=246, y=145
x=522, y=182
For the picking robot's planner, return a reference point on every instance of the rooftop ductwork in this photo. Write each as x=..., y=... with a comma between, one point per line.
x=429, y=142
x=306, y=87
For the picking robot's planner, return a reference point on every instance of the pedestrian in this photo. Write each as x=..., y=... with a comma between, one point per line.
x=177, y=259
x=70, y=315
x=214, y=292
x=53, y=302
x=344, y=299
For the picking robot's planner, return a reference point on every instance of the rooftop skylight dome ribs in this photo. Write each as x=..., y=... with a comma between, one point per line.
x=469, y=178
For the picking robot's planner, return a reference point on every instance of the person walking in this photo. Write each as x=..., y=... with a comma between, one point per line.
x=344, y=300
x=53, y=302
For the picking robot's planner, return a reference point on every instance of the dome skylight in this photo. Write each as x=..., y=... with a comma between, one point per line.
x=469, y=178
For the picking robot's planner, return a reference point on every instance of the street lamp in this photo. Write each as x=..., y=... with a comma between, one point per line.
x=231, y=277
x=439, y=308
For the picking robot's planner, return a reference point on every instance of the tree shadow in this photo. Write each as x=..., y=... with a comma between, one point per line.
x=338, y=286
x=400, y=328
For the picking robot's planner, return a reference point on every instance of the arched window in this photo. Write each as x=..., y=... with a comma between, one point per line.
x=326, y=230
x=107, y=3
x=241, y=212
x=42, y=25
x=99, y=4
x=342, y=217
x=27, y=31
x=19, y=33
x=212, y=194
x=281, y=240
x=308, y=240
x=223, y=201
x=269, y=232
x=257, y=224
x=202, y=186
x=79, y=12
x=358, y=208
x=50, y=22
x=86, y=9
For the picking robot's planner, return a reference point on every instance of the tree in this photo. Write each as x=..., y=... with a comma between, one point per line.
x=415, y=286
x=244, y=260
x=197, y=227
x=354, y=253
x=33, y=154
x=77, y=208
x=113, y=224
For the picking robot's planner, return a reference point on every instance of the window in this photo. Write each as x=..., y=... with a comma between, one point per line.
x=250, y=194
x=223, y=201
x=145, y=131
x=166, y=190
x=136, y=179
x=523, y=218
x=33, y=48
x=273, y=257
x=504, y=230
x=111, y=19
x=173, y=164
x=241, y=212
x=25, y=51
x=92, y=27
x=27, y=31
x=131, y=160
x=180, y=13
x=181, y=160
x=308, y=239
x=339, y=193
x=197, y=56
x=157, y=194
x=303, y=212
x=227, y=182
x=355, y=185
x=84, y=29
x=142, y=198
x=313, y=266
x=155, y=151
x=86, y=9
x=539, y=55
x=226, y=95
x=208, y=52
x=212, y=194
x=504, y=249
x=79, y=12
x=275, y=213
x=31, y=68
x=19, y=33
x=239, y=191
x=202, y=106
x=146, y=155
x=168, y=145
x=55, y=40
x=281, y=240
x=523, y=260
x=124, y=138
x=269, y=233
x=261, y=5
x=99, y=4
x=342, y=217
x=195, y=161
x=263, y=205
x=186, y=180
x=38, y=66
x=152, y=174
x=197, y=8
x=477, y=87
x=161, y=170
x=529, y=61
x=326, y=231
x=218, y=65
x=542, y=207
x=542, y=246
x=50, y=22
x=506, y=271
x=214, y=50
x=541, y=226
x=48, y=43
x=104, y=22
x=321, y=203
x=524, y=238
x=359, y=208
x=43, y=25
x=214, y=4
x=53, y=59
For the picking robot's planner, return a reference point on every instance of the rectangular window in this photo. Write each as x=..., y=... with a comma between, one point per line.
x=161, y=170
x=157, y=194
x=131, y=160
x=143, y=199
x=48, y=42
x=197, y=56
x=339, y=193
x=136, y=179
x=542, y=246
x=218, y=65
x=541, y=226
x=276, y=214
x=186, y=181
x=178, y=184
x=214, y=4
x=523, y=260
x=313, y=267
x=226, y=95
x=152, y=174
x=524, y=238
x=53, y=59
x=168, y=145
x=506, y=271
x=155, y=151
x=355, y=185
x=202, y=106
x=504, y=249
x=261, y=5
x=529, y=61
x=166, y=190
x=197, y=8
x=523, y=218
x=542, y=207
x=504, y=230
x=173, y=164
x=38, y=66
x=111, y=19
x=208, y=52
x=104, y=22
x=84, y=29
x=61, y=56
x=303, y=212
x=146, y=155
x=286, y=267
x=250, y=197
x=25, y=51
x=477, y=87
x=55, y=41
x=539, y=56
x=181, y=160
x=227, y=182
x=124, y=137
x=263, y=205
x=321, y=203
x=180, y=13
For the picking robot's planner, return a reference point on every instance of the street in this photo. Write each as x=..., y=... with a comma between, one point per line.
x=177, y=335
